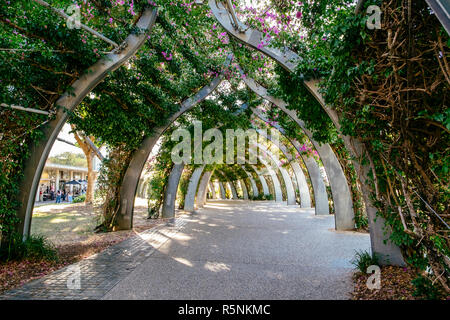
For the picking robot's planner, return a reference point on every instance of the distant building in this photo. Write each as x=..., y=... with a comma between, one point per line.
x=55, y=176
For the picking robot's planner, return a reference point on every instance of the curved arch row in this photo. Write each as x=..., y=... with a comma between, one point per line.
x=342, y=197
x=168, y=209
x=388, y=252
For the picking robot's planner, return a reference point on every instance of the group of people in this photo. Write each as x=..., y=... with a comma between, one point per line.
x=59, y=196
x=63, y=195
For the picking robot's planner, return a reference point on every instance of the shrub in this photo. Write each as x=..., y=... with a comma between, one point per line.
x=34, y=247
x=79, y=199
x=261, y=197
x=363, y=260
x=424, y=288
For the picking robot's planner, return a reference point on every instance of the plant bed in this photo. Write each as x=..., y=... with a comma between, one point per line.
x=396, y=284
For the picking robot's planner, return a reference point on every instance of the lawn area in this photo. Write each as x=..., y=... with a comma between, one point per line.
x=67, y=224
x=63, y=223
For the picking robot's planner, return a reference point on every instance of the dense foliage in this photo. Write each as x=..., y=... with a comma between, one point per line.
x=40, y=59
x=389, y=88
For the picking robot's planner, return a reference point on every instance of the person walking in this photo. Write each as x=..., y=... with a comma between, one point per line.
x=58, y=196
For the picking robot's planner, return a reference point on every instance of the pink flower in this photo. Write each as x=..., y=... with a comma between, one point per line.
x=299, y=14
x=167, y=57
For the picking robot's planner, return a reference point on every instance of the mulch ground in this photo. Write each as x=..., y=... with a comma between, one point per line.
x=395, y=285
x=16, y=273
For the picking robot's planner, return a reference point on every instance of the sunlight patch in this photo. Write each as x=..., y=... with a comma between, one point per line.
x=183, y=261
x=216, y=266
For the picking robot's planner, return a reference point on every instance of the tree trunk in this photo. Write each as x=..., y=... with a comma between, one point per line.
x=90, y=154
x=91, y=178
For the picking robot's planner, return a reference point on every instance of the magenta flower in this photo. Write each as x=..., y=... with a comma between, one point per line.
x=167, y=57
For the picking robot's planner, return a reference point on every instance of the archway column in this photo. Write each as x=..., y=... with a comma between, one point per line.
x=263, y=181
x=244, y=189
x=170, y=195
x=286, y=177
x=305, y=197
x=290, y=191
x=319, y=188
x=252, y=182
x=276, y=182
x=213, y=190
x=223, y=195
x=233, y=190
x=189, y=202
x=201, y=193
x=388, y=252
x=342, y=198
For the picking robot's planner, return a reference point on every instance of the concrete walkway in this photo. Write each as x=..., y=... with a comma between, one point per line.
x=228, y=250
x=248, y=250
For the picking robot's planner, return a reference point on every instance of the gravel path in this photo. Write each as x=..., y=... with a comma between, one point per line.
x=228, y=250
x=248, y=250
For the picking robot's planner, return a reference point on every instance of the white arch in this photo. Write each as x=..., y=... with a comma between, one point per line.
x=189, y=201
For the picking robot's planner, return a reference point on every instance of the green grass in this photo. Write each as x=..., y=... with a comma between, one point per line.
x=61, y=224
x=71, y=223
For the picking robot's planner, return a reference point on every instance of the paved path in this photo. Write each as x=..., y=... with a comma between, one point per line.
x=228, y=250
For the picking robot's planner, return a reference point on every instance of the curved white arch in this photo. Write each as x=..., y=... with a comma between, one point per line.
x=189, y=201
x=276, y=182
x=213, y=189
x=252, y=182
x=342, y=198
x=233, y=190
x=298, y=172
x=319, y=188
x=223, y=195
x=244, y=188
x=290, y=192
x=263, y=181
x=170, y=194
x=201, y=193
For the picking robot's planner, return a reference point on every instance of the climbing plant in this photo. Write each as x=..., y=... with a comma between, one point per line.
x=40, y=58
x=389, y=88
